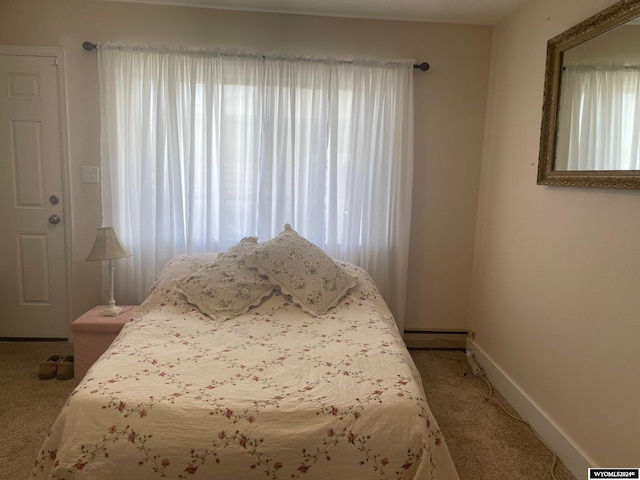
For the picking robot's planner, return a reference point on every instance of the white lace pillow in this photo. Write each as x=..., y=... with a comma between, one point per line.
x=302, y=270
x=163, y=292
x=227, y=287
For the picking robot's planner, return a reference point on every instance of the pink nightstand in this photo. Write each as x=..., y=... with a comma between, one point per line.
x=93, y=334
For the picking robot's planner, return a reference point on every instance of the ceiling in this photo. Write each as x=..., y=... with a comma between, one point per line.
x=476, y=12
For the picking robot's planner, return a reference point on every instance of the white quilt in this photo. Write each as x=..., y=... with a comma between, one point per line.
x=272, y=394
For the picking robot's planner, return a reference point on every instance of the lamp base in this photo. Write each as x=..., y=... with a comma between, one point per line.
x=111, y=311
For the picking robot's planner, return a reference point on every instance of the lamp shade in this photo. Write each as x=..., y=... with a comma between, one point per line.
x=107, y=246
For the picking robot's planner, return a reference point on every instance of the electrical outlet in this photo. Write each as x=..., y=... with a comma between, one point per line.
x=90, y=175
x=473, y=365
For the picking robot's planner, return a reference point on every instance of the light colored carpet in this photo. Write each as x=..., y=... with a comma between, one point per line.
x=29, y=405
x=485, y=443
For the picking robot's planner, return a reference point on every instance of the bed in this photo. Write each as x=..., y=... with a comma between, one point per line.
x=279, y=387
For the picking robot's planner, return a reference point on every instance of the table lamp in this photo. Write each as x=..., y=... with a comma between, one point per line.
x=108, y=247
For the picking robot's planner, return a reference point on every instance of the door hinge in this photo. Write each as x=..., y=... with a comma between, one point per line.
x=54, y=61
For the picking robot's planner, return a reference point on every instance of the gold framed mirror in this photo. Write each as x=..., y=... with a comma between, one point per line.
x=590, y=132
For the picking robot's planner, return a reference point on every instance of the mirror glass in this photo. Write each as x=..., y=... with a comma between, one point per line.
x=590, y=132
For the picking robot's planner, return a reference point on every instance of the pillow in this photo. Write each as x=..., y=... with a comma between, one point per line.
x=313, y=280
x=228, y=286
x=162, y=292
x=180, y=266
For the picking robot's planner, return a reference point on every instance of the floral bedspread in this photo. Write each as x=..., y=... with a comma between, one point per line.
x=272, y=394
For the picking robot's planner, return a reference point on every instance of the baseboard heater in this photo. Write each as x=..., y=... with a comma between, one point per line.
x=436, y=339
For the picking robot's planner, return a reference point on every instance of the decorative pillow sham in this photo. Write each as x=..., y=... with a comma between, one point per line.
x=228, y=286
x=162, y=291
x=180, y=266
x=302, y=270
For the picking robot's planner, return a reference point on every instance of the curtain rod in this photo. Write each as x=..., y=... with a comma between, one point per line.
x=88, y=46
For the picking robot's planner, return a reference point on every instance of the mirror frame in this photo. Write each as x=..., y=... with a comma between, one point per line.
x=611, y=17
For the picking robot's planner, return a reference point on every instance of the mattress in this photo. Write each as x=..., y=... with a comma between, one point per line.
x=273, y=393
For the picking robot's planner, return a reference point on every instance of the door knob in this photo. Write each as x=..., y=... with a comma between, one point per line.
x=54, y=219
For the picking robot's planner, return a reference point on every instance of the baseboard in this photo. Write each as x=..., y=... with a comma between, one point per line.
x=436, y=339
x=33, y=339
x=570, y=454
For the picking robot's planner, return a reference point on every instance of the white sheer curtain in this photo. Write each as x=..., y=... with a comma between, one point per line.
x=201, y=148
x=600, y=114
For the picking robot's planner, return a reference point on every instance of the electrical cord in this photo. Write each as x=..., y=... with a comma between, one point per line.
x=479, y=373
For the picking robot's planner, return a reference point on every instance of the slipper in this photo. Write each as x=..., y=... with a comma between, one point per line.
x=65, y=368
x=49, y=367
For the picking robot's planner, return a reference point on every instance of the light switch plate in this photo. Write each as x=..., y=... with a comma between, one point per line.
x=90, y=175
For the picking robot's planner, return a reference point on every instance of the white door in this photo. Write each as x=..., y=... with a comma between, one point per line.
x=33, y=268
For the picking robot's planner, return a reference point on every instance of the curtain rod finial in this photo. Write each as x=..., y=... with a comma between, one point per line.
x=424, y=66
x=88, y=46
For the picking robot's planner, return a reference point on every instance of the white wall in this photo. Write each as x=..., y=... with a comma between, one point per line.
x=556, y=273
x=450, y=103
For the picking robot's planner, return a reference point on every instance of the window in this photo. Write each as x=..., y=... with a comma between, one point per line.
x=201, y=148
